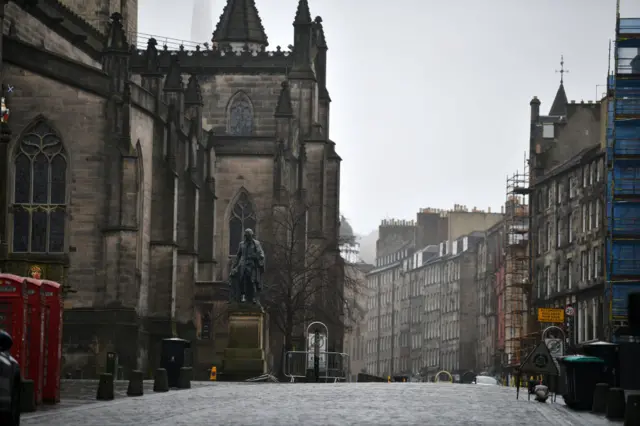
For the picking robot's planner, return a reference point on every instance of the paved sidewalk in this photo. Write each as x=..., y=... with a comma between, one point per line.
x=245, y=404
x=80, y=392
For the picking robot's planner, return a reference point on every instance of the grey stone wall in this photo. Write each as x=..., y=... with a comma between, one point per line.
x=261, y=89
x=31, y=30
x=82, y=135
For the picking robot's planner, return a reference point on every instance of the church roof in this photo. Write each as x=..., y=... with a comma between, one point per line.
x=240, y=23
x=559, y=106
x=346, y=231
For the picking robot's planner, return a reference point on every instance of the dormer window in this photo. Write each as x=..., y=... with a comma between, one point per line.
x=548, y=131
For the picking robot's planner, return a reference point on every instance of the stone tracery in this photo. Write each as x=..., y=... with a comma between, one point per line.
x=240, y=116
x=39, y=195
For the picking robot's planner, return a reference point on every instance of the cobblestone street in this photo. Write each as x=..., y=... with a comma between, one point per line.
x=245, y=404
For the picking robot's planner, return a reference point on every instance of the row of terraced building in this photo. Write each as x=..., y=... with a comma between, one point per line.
x=458, y=290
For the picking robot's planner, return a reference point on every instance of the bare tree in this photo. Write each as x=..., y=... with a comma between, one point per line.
x=305, y=279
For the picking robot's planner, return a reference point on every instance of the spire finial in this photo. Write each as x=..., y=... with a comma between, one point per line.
x=562, y=70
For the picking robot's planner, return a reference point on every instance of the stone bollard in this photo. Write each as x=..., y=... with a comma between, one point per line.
x=615, y=404
x=27, y=396
x=105, y=387
x=600, y=395
x=184, y=380
x=632, y=411
x=161, y=381
x=136, y=387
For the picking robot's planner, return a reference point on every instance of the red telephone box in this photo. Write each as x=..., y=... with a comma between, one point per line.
x=52, y=340
x=34, y=355
x=13, y=314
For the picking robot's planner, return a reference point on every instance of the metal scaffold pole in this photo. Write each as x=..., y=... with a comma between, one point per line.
x=622, y=248
x=517, y=279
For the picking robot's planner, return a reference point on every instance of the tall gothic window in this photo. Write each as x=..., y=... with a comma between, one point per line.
x=240, y=116
x=243, y=216
x=39, y=198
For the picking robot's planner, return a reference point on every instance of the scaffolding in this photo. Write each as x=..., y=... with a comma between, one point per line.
x=517, y=283
x=623, y=173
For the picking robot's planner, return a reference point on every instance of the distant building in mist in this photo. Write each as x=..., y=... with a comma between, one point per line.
x=201, y=21
x=349, y=247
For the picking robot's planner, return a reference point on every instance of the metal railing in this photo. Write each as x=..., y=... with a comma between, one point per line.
x=171, y=43
x=334, y=366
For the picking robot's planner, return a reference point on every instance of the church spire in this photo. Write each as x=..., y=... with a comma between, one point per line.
x=302, y=68
x=240, y=23
x=303, y=15
x=201, y=24
x=559, y=106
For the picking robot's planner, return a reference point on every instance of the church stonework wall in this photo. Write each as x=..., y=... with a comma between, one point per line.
x=97, y=12
x=233, y=174
x=83, y=141
x=261, y=89
x=142, y=131
x=131, y=252
x=31, y=30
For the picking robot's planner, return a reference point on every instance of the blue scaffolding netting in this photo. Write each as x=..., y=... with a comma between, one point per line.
x=623, y=172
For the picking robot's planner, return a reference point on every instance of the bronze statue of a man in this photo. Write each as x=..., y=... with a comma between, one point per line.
x=246, y=272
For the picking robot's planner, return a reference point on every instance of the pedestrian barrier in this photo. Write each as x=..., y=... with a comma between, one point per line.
x=135, y=387
x=616, y=404
x=600, y=395
x=161, y=381
x=27, y=396
x=632, y=410
x=334, y=366
x=184, y=380
x=105, y=387
x=444, y=372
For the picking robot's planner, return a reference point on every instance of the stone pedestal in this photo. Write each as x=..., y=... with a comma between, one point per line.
x=244, y=356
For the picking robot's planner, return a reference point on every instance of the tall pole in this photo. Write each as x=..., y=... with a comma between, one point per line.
x=316, y=355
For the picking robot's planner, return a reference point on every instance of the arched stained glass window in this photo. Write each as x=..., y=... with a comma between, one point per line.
x=242, y=216
x=39, y=198
x=240, y=116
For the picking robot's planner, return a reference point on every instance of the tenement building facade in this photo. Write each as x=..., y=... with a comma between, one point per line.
x=567, y=227
x=356, y=299
x=401, y=306
x=384, y=287
x=490, y=272
x=131, y=174
x=450, y=307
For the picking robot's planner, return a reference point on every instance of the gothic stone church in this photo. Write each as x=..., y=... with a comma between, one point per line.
x=130, y=174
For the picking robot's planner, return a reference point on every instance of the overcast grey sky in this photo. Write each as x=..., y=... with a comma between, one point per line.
x=431, y=97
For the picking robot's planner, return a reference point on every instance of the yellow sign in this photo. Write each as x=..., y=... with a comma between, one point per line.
x=214, y=374
x=555, y=315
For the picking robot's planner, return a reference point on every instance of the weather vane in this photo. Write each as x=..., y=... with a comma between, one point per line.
x=562, y=70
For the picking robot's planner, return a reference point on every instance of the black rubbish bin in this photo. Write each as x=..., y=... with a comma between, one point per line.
x=582, y=374
x=175, y=354
x=608, y=352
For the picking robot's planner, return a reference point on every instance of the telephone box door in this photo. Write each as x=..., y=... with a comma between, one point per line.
x=13, y=314
x=52, y=341
x=35, y=335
